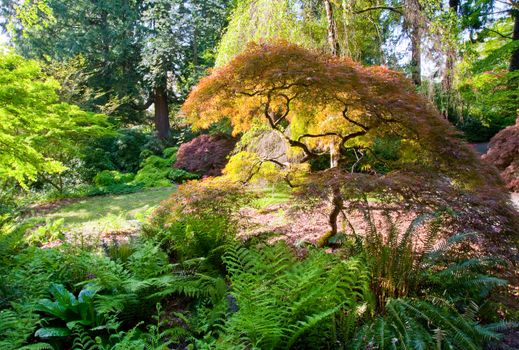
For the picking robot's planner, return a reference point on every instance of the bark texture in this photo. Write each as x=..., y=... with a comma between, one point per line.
x=162, y=113
x=333, y=41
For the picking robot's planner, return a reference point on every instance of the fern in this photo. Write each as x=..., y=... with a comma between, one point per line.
x=37, y=346
x=282, y=301
x=16, y=326
x=83, y=340
x=424, y=324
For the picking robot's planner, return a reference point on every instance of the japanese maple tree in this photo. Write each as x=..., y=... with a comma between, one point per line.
x=322, y=104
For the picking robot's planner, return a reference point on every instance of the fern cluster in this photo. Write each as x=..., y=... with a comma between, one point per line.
x=378, y=292
x=285, y=303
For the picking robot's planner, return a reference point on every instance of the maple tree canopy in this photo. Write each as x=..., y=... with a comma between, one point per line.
x=315, y=100
x=322, y=98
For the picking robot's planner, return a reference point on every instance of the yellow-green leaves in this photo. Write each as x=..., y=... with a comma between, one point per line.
x=37, y=132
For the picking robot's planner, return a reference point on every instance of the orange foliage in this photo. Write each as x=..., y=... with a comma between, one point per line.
x=338, y=98
x=345, y=104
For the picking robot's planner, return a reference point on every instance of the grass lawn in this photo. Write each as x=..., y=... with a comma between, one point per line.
x=110, y=213
x=271, y=195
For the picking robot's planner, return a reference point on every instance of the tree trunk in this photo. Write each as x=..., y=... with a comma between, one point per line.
x=333, y=41
x=413, y=21
x=195, y=47
x=514, y=60
x=416, y=55
x=450, y=59
x=334, y=155
x=161, y=112
x=338, y=205
x=348, y=30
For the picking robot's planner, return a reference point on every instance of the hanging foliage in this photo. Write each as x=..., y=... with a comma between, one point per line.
x=348, y=108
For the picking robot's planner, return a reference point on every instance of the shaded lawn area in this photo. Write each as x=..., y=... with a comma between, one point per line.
x=271, y=195
x=110, y=213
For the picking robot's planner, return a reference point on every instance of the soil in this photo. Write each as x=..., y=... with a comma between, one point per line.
x=44, y=208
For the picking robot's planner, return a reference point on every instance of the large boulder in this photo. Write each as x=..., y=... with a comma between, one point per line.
x=205, y=155
x=504, y=155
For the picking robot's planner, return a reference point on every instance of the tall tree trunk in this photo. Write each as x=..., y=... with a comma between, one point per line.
x=161, y=112
x=514, y=60
x=416, y=54
x=450, y=59
x=413, y=20
x=195, y=47
x=348, y=29
x=333, y=41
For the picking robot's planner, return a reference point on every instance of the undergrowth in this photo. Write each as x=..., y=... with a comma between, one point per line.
x=189, y=283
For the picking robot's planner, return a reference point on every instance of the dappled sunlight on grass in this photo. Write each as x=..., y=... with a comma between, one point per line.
x=271, y=195
x=105, y=213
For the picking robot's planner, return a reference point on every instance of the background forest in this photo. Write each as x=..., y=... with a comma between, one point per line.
x=257, y=174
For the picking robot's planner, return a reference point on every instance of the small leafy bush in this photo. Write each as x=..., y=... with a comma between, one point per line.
x=205, y=155
x=108, y=178
x=157, y=171
x=113, y=182
x=65, y=312
x=50, y=231
x=199, y=218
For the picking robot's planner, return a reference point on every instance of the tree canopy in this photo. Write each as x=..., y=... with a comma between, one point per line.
x=37, y=131
x=321, y=103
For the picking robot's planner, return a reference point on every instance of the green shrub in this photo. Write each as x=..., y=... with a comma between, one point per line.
x=64, y=313
x=158, y=172
x=120, y=152
x=50, y=231
x=114, y=182
x=199, y=219
x=108, y=178
x=199, y=236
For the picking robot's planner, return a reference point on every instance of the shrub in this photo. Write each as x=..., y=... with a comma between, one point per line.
x=504, y=155
x=157, y=171
x=205, y=155
x=198, y=219
x=66, y=312
x=113, y=182
x=118, y=152
x=108, y=178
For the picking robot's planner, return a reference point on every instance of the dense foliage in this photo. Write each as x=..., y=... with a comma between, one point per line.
x=205, y=155
x=39, y=135
x=123, y=56
x=504, y=155
x=376, y=290
x=320, y=104
x=317, y=188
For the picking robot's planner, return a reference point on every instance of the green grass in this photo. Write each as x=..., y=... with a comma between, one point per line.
x=111, y=212
x=271, y=195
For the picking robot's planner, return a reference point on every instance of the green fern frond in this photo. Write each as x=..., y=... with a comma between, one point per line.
x=37, y=346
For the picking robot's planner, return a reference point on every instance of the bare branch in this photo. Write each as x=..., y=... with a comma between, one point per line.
x=344, y=114
x=374, y=8
x=506, y=36
x=144, y=106
x=318, y=135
